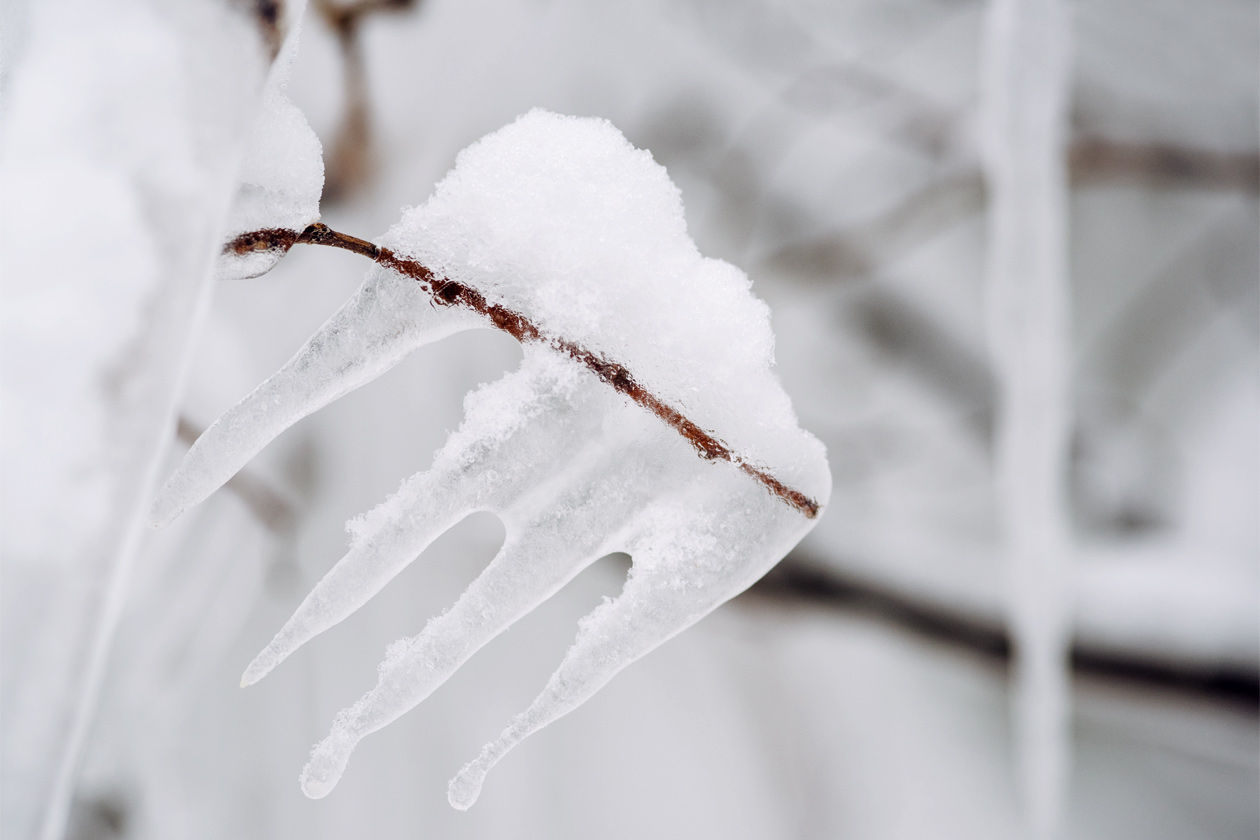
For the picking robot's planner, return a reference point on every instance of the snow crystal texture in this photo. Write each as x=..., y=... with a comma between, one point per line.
x=563, y=221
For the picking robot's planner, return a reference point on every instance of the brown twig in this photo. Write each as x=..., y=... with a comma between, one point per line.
x=447, y=292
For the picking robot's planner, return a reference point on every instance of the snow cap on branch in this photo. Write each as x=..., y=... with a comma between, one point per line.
x=561, y=219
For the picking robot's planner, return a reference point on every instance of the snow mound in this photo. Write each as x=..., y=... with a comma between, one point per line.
x=562, y=219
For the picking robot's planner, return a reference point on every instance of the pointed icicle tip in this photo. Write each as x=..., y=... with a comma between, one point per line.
x=162, y=512
x=328, y=762
x=171, y=500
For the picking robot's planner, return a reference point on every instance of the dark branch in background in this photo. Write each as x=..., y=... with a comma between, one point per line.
x=350, y=164
x=1094, y=161
x=267, y=14
x=797, y=580
x=445, y=292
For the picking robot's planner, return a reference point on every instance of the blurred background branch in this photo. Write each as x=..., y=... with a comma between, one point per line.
x=350, y=159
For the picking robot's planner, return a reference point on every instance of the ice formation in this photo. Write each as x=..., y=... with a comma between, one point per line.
x=1025, y=84
x=281, y=179
x=630, y=335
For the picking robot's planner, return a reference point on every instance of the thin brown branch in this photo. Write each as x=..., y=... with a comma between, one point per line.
x=271, y=239
x=447, y=292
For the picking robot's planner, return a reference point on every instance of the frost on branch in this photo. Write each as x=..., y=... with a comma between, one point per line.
x=644, y=418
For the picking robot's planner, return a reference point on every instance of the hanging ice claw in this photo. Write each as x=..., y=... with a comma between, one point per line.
x=644, y=418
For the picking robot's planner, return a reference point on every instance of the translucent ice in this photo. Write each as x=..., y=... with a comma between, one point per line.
x=280, y=182
x=645, y=418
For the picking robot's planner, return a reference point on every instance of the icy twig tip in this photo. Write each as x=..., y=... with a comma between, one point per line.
x=328, y=762
x=465, y=788
x=259, y=668
x=162, y=512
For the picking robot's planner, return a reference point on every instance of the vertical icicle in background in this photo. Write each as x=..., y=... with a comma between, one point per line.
x=1024, y=86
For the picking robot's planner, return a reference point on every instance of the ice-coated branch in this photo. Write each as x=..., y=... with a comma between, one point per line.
x=445, y=292
x=560, y=233
x=1025, y=84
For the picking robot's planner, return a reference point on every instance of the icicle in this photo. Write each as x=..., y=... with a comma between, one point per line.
x=1024, y=96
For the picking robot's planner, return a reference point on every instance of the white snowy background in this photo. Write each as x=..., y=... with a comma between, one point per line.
x=832, y=150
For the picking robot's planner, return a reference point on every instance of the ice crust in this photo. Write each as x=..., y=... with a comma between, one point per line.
x=565, y=222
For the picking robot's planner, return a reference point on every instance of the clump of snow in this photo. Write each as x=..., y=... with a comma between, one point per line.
x=280, y=180
x=563, y=221
x=561, y=218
